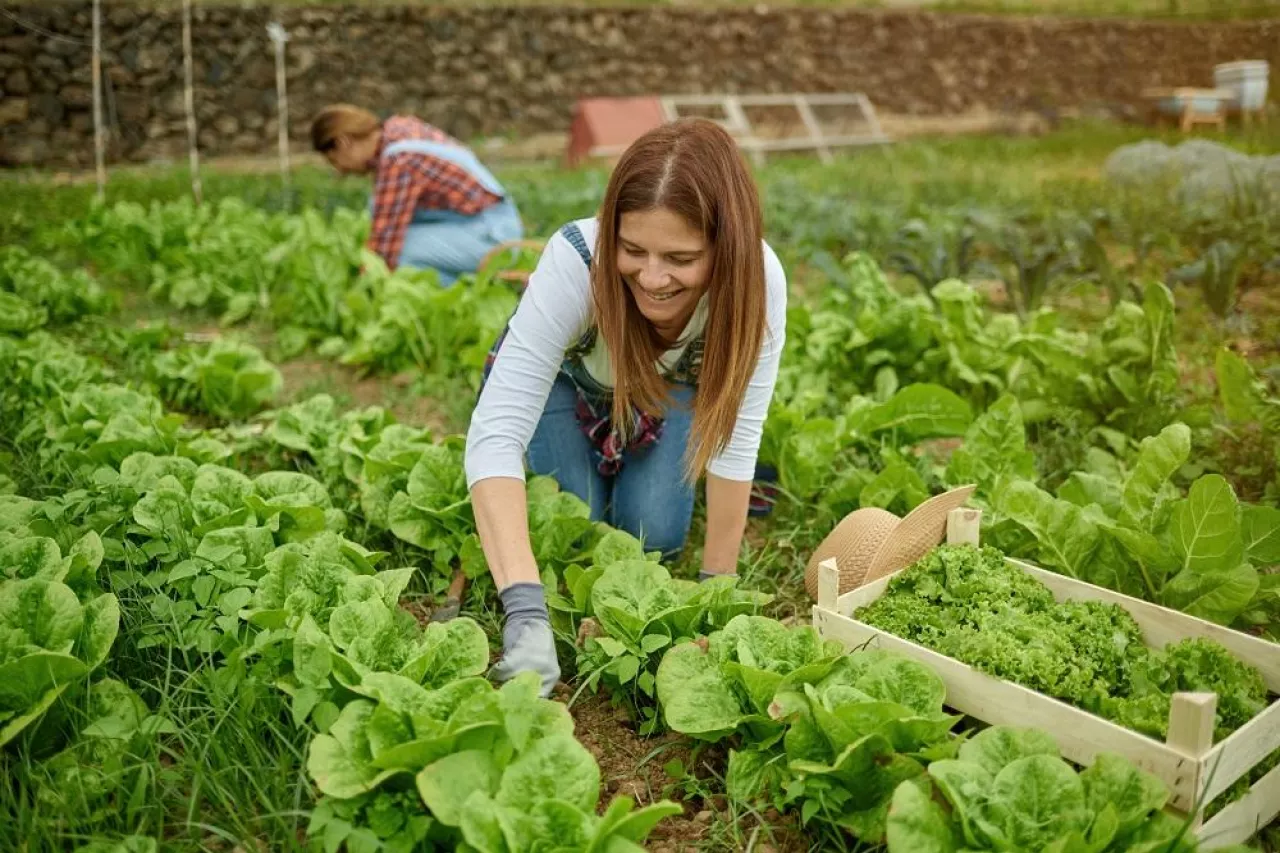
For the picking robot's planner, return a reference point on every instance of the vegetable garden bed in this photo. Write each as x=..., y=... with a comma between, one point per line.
x=1195, y=769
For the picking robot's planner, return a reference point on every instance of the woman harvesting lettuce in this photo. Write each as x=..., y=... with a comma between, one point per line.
x=643, y=355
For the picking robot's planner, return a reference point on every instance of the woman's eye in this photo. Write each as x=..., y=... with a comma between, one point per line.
x=633, y=252
x=681, y=262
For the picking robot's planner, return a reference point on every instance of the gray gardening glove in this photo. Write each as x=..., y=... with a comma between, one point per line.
x=528, y=643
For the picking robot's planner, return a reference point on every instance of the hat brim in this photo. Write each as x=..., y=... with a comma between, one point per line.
x=920, y=531
x=852, y=544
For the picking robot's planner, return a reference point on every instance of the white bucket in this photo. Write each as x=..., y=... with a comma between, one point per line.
x=1247, y=79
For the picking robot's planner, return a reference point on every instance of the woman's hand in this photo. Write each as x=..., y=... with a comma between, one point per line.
x=727, y=503
x=528, y=645
x=502, y=520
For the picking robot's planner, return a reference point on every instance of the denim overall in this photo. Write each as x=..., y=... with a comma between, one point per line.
x=445, y=240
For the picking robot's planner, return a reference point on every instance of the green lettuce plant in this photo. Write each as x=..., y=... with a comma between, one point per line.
x=1008, y=790
x=49, y=641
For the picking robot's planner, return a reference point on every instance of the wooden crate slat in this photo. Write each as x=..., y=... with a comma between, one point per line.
x=1161, y=625
x=863, y=595
x=828, y=584
x=1080, y=735
x=1238, y=822
x=1237, y=754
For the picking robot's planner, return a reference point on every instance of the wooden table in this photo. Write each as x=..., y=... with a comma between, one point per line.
x=1191, y=105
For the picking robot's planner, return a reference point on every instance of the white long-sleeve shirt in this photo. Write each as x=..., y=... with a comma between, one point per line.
x=554, y=313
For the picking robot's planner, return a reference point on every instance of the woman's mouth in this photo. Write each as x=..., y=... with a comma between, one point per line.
x=662, y=296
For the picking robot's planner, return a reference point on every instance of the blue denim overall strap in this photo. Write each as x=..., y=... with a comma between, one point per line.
x=573, y=234
x=571, y=365
x=461, y=157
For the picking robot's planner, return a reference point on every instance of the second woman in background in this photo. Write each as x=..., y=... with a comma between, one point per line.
x=434, y=203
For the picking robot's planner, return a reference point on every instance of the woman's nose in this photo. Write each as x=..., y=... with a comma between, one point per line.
x=651, y=274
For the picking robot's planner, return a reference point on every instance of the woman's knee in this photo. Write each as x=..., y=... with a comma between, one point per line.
x=669, y=539
x=670, y=543
x=660, y=520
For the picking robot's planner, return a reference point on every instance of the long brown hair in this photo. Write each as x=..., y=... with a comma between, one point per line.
x=693, y=168
x=337, y=120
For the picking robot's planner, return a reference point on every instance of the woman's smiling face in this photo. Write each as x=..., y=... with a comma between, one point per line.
x=665, y=263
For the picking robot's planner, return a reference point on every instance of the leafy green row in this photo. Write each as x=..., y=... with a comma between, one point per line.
x=34, y=291
x=862, y=341
x=254, y=574
x=306, y=273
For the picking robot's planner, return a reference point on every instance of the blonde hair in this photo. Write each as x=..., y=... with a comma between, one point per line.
x=693, y=168
x=338, y=120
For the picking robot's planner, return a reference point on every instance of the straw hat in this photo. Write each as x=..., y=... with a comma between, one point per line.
x=870, y=543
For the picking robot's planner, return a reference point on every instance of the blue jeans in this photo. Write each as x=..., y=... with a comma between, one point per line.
x=649, y=498
x=453, y=244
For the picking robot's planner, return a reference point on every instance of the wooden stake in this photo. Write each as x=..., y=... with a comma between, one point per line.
x=1191, y=721
x=278, y=37
x=99, y=155
x=963, y=525
x=197, y=190
x=828, y=584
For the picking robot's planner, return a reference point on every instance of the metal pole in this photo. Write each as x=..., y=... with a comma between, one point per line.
x=98, y=136
x=197, y=190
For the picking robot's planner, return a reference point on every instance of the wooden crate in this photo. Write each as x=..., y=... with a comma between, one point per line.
x=1195, y=769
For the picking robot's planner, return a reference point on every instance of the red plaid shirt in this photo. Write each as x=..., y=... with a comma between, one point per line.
x=410, y=180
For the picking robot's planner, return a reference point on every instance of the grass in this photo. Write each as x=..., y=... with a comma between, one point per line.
x=230, y=769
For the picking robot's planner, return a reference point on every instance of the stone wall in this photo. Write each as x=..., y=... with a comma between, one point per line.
x=518, y=70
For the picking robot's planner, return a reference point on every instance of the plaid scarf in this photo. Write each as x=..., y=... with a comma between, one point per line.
x=609, y=446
